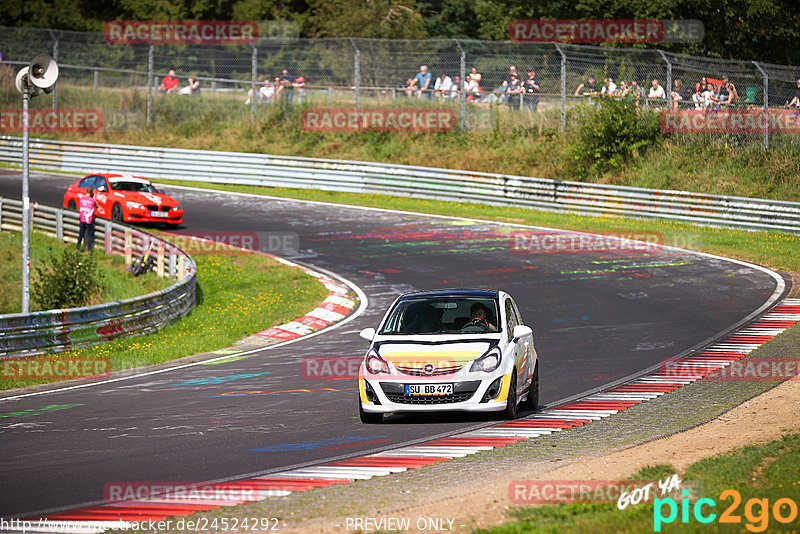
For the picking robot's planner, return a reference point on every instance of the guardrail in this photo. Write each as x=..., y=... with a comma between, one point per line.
x=404, y=180
x=52, y=331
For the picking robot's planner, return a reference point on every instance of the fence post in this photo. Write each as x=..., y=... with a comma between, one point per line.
x=563, y=87
x=766, y=104
x=108, y=235
x=254, y=76
x=668, y=88
x=55, y=56
x=181, y=268
x=172, y=265
x=160, y=259
x=96, y=81
x=128, y=247
x=462, y=96
x=60, y=225
x=356, y=71
x=149, y=83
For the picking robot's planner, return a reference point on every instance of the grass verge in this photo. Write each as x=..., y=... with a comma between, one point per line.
x=118, y=284
x=772, y=249
x=237, y=295
x=761, y=476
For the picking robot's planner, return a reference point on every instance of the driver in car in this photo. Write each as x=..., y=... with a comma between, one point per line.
x=478, y=317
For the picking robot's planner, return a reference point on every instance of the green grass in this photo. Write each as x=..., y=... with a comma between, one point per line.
x=237, y=295
x=773, y=249
x=770, y=471
x=118, y=284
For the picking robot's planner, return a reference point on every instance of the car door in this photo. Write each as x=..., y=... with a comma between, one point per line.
x=519, y=348
x=100, y=185
x=530, y=357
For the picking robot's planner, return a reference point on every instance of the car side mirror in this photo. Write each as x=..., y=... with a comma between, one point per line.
x=521, y=331
x=367, y=333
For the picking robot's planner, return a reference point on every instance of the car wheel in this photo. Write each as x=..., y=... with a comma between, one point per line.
x=71, y=205
x=511, y=403
x=116, y=213
x=369, y=418
x=532, y=402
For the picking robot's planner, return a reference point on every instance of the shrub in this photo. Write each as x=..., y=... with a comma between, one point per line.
x=70, y=280
x=610, y=133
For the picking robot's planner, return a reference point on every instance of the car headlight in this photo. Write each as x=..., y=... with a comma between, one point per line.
x=488, y=362
x=176, y=208
x=134, y=205
x=376, y=364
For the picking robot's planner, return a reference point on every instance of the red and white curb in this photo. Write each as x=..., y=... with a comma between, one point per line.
x=333, y=309
x=565, y=416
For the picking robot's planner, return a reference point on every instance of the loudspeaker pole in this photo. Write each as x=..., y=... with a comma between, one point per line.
x=26, y=205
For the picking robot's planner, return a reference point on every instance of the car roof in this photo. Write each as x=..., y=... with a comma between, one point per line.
x=117, y=177
x=485, y=293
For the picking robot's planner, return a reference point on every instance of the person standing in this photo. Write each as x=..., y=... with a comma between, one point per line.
x=86, y=205
x=532, y=90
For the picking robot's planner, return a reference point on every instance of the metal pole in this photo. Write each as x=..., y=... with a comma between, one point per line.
x=668, y=89
x=563, y=88
x=26, y=205
x=356, y=71
x=766, y=104
x=254, y=76
x=462, y=95
x=55, y=88
x=149, y=83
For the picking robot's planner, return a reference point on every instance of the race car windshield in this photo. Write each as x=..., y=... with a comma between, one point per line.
x=139, y=187
x=442, y=315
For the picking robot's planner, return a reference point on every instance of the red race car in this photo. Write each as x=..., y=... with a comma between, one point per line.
x=126, y=198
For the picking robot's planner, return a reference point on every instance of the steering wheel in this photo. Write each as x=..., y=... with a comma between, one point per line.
x=476, y=325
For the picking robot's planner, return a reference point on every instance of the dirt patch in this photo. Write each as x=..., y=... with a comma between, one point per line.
x=762, y=419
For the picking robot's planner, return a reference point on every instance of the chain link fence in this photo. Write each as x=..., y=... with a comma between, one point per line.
x=242, y=80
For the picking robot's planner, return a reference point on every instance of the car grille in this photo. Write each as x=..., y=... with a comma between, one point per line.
x=399, y=398
x=416, y=371
x=153, y=207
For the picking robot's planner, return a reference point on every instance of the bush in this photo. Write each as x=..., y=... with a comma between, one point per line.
x=610, y=133
x=72, y=279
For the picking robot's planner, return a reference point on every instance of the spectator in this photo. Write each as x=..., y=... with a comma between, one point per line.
x=532, y=89
x=727, y=92
x=457, y=86
x=609, y=87
x=472, y=89
x=699, y=96
x=512, y=71
x=193, y=86
x=169, y=83
x=410, y=86
x=656, y=91
x=795, y=102
x=513, y=90
x=423, y=78
x=623, y=91
x=265, y=93
x=679, y=94
x=300, y=85
x=286, y=87
x=587, y=89
x=86, y=206
x=443, y=86
x=475, y=76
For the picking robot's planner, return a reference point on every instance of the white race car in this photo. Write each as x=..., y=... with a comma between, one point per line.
x=447, y=350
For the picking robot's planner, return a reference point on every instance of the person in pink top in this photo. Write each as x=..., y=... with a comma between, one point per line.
x=86, y=205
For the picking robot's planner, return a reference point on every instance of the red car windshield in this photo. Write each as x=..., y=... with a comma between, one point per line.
x=139, y=187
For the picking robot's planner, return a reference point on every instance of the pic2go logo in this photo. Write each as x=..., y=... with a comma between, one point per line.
x=784, y=510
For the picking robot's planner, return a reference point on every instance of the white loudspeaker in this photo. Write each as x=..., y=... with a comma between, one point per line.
x=43, y=71
x=22, y=80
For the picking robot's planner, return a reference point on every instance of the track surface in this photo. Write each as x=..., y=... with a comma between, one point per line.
x=596, y=318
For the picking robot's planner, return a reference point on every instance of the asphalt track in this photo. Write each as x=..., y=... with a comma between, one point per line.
x=596, y=317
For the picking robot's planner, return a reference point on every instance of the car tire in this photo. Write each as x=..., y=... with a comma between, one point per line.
x=511, y=402
x=369, y=418
x=116, y=213
x=71, y=205
x=532, y=401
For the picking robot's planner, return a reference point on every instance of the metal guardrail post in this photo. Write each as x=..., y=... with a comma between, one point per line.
x=149, y=83
x=668, y=88
x=160, y=259
x=563, y=87
x=60, y=225
x=128, y=247
x=462, y=94
x=766, y=104
x=172, y=264
x=253, y=81
x=356, y=71
x=55, y=56
x=107, y=237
